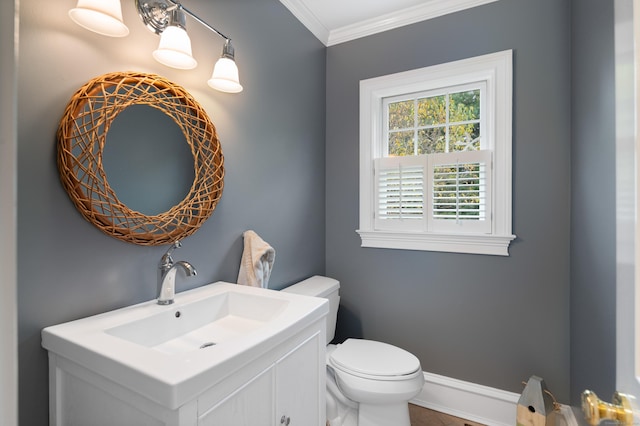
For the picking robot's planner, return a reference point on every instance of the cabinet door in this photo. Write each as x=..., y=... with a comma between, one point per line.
x=299, y=378
x=250, y=405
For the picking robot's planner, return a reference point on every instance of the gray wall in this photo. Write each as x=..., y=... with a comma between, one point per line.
x=593, y=195
x=484, y=319
x=272, y=137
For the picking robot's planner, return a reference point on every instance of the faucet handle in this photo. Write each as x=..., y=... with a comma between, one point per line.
x=166, y=260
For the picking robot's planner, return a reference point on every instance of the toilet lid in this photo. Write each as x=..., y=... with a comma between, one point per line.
x=374, y=358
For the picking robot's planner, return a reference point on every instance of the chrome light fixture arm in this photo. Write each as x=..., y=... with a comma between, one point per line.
x=197, y=18
x=156, y=15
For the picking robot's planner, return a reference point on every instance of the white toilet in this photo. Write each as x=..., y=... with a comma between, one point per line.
x=369, y=383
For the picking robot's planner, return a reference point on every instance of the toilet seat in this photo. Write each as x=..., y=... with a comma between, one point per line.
x=374, y=360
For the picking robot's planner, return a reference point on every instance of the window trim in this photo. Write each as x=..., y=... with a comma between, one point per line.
x=496, y=70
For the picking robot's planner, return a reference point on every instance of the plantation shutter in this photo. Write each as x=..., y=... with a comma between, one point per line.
x=460, y=192
x=400, y=193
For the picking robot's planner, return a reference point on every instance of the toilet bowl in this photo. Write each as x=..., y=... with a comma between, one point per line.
x=369, y=383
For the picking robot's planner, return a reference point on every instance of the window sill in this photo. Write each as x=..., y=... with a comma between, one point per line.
x=496, y=245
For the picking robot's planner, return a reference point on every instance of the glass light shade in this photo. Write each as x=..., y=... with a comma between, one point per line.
x=225, y=76
x=100, y=16
x=175, y=49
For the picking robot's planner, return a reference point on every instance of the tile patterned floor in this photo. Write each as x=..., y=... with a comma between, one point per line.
x=425, y=417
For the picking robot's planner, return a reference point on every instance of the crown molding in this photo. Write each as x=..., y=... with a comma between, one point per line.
x=329, y=37
x=429, y=10
x=300, y=10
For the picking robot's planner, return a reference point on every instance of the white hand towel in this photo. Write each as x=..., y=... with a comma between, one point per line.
x=257, y=261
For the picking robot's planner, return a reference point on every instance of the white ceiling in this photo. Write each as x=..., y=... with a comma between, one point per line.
x=337, y=21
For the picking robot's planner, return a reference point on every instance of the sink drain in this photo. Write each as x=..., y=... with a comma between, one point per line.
x=206, y=345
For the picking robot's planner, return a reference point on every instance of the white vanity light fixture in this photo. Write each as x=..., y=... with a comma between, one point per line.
x=167, y=19
x=225, y=73
x=100, y=16
x=174, y=49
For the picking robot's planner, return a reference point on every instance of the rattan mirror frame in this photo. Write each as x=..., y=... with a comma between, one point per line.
x=81, y=139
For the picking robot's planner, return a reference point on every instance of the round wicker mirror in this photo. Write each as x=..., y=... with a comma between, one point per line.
x=81, y=140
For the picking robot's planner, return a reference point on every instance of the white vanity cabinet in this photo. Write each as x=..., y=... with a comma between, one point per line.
x=286, y=393
x=283, y=383
x=296, y=399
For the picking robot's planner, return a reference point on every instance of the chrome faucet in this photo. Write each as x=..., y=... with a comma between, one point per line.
x=167, y=275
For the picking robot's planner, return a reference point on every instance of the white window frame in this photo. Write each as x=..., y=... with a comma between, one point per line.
x=494, y=70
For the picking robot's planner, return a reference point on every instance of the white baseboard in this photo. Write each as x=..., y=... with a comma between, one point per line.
x=478, y=403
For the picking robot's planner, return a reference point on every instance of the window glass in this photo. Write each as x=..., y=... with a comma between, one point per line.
x=401, y=143
x=401, y=115
x=432, y=140
x=432, y=111
x=434, y=124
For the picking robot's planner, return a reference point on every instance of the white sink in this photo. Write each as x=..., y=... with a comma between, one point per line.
x=202, y=323
x=172, y=353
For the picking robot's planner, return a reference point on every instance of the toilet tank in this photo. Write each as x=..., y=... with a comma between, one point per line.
x=325, y=287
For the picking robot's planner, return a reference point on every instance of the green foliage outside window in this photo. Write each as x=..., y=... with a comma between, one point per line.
x=435, y=124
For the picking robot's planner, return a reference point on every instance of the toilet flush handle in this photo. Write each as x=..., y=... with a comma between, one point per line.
x=284, y=420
